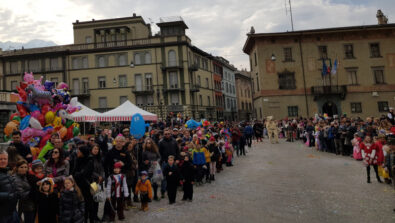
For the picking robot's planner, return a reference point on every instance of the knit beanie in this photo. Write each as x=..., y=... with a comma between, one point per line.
x=37, y=163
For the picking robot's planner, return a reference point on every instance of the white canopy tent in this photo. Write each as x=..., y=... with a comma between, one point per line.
x=125, y=112
x=85, y=114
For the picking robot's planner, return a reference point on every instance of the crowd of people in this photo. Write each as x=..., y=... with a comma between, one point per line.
x=66, y=182
x=371, y=141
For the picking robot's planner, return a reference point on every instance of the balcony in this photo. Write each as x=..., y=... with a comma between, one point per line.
x=171, y=67
x=143, y=90
x=83, y=93
x=193, y=67
x=174, y=87
x=195, y=87
x=175, y=108
x=322, y=91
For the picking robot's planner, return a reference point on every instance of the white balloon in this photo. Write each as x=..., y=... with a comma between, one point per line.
x=34, y=123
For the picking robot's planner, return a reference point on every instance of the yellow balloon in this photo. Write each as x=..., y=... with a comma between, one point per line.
x=10, y=127
x=57, y=122
x=49, y=117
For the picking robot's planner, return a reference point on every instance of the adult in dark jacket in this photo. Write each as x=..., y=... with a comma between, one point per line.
x=258, y=130
x=26, y=205
x=215, y=154
x=102, y=140
x=188, y=173
x=248, y=133
x=8, y=195
x=167, y=147
x=22, y=149
x=98, y=175
x=151, y=157
x=117, y=154
x=83, y=175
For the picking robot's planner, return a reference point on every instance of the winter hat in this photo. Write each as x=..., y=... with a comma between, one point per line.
x=144, y=173
x=37, y=163
x=49, y=181
x=212, y=138
x=118, y=165
x=84, y=150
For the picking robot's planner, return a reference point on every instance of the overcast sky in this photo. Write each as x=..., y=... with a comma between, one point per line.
x=217, y=26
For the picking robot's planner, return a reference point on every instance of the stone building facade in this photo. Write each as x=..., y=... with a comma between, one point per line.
x=114, y=60
x=244, y=95
x=287, y=71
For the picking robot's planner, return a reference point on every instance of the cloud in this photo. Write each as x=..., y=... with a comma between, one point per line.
x=216, y=26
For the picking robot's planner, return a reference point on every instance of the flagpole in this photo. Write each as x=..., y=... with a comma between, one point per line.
x=290, y=10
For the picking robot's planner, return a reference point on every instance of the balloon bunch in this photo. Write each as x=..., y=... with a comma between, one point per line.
x=42, y=110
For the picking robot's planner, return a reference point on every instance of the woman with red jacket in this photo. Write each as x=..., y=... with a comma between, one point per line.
x=369, y=155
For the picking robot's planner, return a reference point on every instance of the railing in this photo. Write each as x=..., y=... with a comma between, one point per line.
x=193, y=67
x=195, y=87
x=148, y=89
x=81, y=92
x=319, y=91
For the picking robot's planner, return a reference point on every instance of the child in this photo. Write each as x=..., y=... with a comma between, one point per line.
x=47, y=202
x=71, y=203
x=117, y=190
x=390, y=161
x=144, y=188
x=188, y=176
x=198, y=160
x=356, y=150
x=229, y=153
x=172, y=178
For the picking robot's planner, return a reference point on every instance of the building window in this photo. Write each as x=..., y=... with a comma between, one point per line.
x=54, y=63
x=122, y=99
x=102, y=82
x=292, y=111
x=85, y=85
x=257, y=82
x=383, y=106
x=323, y=52
x=349, y=51
x=250, y=106
x=14, y=84
x=123, y=82
x=147, y=58
x=140, y=100
x=139, y=82
x=150, y=100
x=352, y=77
x=260, y=112
x=356, y=107
x=55, y=80
x=288, y=54
x=76, y=86
x=207, y=83
x=174, y=99
x=34, y=65
x=102, y=102
x=201, y=100
x=137, y=59
x=255, y=58
x=173, y=79
x=85, y=62
x=286, y=80
x=375, y=50
x=242, y=105
x=122, y=60
x=199, y=81
x=378, y=75
x=101, y=60
x=209, y=101
x=14, y=67
x=172, y=58
x=148, y=82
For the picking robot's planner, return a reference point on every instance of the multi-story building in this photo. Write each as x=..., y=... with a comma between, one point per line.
x=244, y=95
x=289, y=81
x=228, y=89
x=219, y=96
x=114, y=60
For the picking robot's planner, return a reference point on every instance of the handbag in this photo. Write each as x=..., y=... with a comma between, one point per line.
x=157, y=176
x=99, y=196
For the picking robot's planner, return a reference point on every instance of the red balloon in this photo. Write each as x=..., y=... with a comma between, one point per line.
x=44, y=141
x=41, y=119
x=45, y=108
x=69, y=134
x=22, y=110
x=22, y=93
x=23, y=85
x=13, y=115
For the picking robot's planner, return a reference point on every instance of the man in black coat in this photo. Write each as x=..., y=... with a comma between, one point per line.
x=8, y=195
x=22, y=149
x=167, y=147
x=116, y=154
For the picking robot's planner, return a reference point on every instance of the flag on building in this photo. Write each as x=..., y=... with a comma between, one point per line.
x=329, y=67
x=334, y=69
x=324, y=68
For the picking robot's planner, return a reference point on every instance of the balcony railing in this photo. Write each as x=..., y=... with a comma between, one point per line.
x=195, y=87
x=148, y=89
x=80, y=92
x=193, y=67
x=320, y=91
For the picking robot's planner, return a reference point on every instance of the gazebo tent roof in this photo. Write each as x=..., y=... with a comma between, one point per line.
x=85, y=114
x=124, y=112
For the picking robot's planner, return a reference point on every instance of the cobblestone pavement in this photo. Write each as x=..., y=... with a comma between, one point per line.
x=284, y=182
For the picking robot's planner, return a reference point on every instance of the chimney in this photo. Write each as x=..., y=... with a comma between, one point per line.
x=77, y=21
x=134, y=14
x=381, y=18
x=252, y=31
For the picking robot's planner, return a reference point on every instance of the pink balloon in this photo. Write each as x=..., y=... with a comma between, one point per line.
x=35, y=114
x=29, y=133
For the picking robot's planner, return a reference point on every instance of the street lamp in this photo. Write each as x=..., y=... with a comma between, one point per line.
x=131, y=64
x=273, y=58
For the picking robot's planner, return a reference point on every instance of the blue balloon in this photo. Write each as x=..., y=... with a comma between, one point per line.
x=137, y=126
x=49, y=85
x=25, y=122
x=192, y=124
